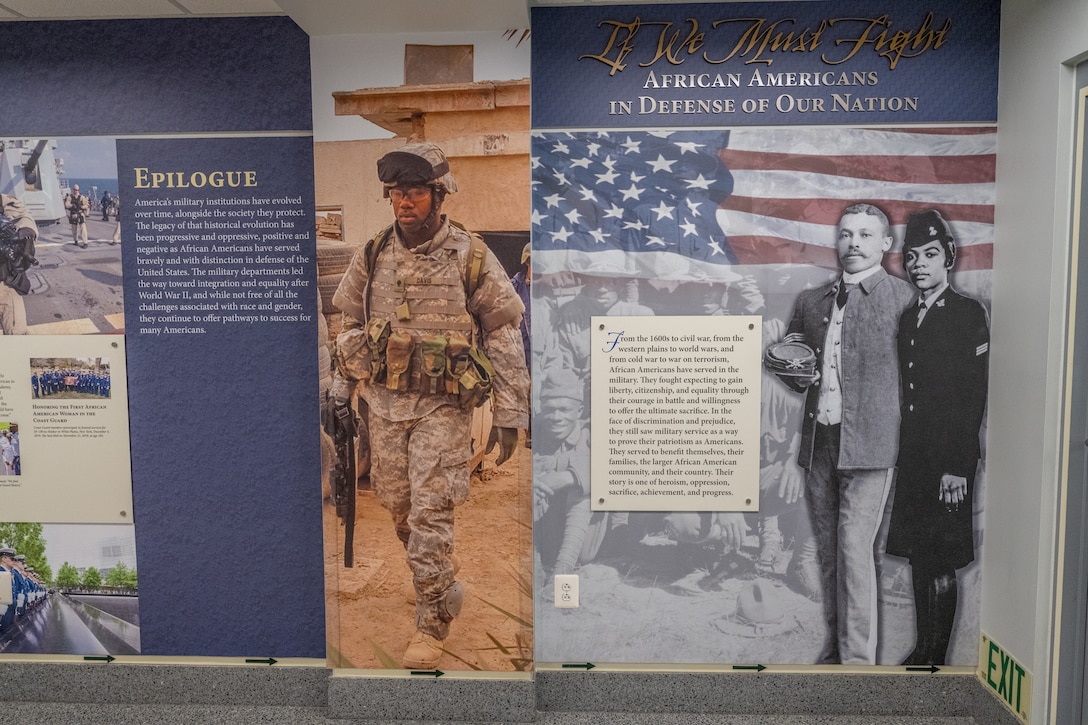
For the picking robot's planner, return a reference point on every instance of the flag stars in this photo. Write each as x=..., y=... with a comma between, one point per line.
x=698, y=183
x=652, y=241
x=552, y=201
x=582, y=163
x=587, y=194
x=635, y=178
x=609, y=177
x=562, y=235
x=688, y=147
x=560, y=178
x=631, y=146
x=615, y=212
x=663, y=211
x=631, y=192
x=693, y=206
x=637, y=225
x=561, y=148
x=715, y=248
x=598, y=236
x=592, y=148
x=689, y=228
x=573, y=216
x=662, y=164
x=536, y=217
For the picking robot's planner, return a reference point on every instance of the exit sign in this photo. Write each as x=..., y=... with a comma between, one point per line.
x=1005, y=676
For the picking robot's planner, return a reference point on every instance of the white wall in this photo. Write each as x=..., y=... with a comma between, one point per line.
x=1031, y=249
x=346, y=63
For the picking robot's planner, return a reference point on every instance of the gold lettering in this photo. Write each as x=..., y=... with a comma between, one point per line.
x=757, y=39
x=917, y=42
x=624, y=48
x=859, y=42
x=147, y=179
x=692, y=43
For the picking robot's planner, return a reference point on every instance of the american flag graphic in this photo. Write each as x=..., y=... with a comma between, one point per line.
x=687, y=205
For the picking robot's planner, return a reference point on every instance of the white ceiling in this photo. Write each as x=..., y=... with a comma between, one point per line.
x=316, y=17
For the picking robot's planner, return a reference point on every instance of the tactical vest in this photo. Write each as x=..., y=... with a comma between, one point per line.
x=419, y=331
x=76, y=209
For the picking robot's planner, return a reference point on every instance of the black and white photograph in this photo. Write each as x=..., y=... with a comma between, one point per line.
x=833, y=236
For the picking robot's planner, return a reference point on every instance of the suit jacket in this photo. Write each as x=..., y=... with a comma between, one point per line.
x=870, y=371
x=944, y=366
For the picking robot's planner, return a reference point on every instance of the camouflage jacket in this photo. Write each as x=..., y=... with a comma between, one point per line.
x=494, y=308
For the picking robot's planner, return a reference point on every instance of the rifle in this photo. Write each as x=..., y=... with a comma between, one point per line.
x=340, y=424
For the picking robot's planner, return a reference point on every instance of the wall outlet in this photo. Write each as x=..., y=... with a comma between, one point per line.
x=566, y=591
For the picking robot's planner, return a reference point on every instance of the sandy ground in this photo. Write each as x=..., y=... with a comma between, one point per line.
x=369, y=618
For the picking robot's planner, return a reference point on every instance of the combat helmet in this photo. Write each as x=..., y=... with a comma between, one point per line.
x=416, y=164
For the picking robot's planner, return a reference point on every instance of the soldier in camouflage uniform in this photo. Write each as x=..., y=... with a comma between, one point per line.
x=14, y=260
x=430, y=325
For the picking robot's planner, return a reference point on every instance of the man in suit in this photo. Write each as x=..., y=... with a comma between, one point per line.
x=944, y=348
x=850, y=429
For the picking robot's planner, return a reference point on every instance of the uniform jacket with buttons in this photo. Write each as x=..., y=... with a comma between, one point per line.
x=870, y=368
x=944, y=364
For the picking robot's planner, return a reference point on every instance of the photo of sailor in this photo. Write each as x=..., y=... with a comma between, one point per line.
x=9, y=450
x=67, y=188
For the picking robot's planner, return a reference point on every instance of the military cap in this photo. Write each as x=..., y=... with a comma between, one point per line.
x=416, y=164
x=790, y=357
x=20, y=557
x=562, y=383
x=759, y=603
x=7, y=551
x=928, y=226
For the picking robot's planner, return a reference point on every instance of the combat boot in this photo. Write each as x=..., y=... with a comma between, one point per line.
x=423, y=652
x=410, y=592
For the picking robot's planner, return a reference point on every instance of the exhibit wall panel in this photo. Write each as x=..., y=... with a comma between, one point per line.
x=682, y=168
x=225, y=478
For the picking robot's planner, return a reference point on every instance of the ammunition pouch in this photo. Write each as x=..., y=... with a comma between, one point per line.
x=377, y=337
x=353, y=358
x=398, y=361
x=434, y=364
x=449, y=606
x=457, y=363
x=475, y=384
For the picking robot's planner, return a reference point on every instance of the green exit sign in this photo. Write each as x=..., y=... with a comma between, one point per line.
x=1005, y=676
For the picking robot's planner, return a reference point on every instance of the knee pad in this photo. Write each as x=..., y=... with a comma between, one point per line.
x=449, y=606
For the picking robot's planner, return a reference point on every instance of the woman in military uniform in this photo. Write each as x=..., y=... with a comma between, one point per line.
x=943, y=354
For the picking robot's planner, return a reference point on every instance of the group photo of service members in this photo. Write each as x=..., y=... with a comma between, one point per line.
x=21, y=591
x=69, y=378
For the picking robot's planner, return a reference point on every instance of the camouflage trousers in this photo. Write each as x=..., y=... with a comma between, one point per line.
x=12, y=312
x=420, y=472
